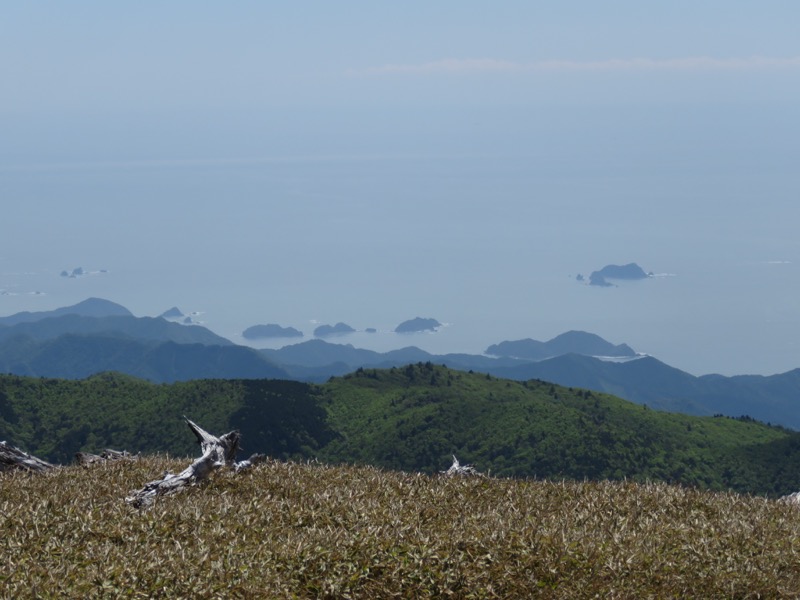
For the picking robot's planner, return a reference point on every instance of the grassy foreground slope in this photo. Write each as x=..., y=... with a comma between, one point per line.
x=304, y=530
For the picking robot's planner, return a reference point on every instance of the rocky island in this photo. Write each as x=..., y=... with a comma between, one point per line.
x=338, y=329
x=417, y=324
x=631, y=271
x=80, y=272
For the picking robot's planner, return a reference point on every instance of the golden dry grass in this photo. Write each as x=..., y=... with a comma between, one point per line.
x=290, y=530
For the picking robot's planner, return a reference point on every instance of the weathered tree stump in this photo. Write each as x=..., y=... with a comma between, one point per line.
x=217, y=452
x=14, y=458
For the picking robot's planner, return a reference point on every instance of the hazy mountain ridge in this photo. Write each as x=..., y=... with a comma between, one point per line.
x=73, y=356
x=144, y=328
x=318, y=355
x=91, y=307
x=62, y=344
x=771, y=398
x=97, y=335
x=578, y=342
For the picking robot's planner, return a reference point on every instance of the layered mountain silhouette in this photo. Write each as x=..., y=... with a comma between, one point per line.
x=97, y=335
x=578, y=342
x=91, y=307
x=772, y=399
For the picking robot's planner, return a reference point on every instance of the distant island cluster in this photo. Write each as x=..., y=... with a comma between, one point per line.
x=272, y=330
x=80, y=272
x=600, y=278
x=175, y=314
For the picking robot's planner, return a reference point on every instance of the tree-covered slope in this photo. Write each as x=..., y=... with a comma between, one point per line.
x=413, y=419
x=55, y=418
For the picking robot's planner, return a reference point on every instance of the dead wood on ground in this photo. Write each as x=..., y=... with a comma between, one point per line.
x=87, y=459
x=216, y=451
x=12, y=457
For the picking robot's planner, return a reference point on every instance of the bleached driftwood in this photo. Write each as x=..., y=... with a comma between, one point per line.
x=791, y=498
x=216, y=452
x=249, y=462
x=86, y=459
x=458, y=469
x=12, y=457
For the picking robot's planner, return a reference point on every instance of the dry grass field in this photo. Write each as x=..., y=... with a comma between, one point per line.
x=306, y=530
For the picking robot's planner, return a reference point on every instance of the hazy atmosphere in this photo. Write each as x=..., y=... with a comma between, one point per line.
x=368, y=163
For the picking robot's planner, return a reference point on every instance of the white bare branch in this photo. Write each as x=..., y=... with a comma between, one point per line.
x=12, y=457
x=458, y=469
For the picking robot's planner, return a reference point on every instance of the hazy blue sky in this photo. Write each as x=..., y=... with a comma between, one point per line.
x=370, y=162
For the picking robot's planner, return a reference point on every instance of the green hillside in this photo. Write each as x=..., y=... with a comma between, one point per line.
x=417, y=416
x=412, y=419
x=55, y=418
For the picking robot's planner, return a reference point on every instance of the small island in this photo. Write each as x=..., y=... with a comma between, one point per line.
x=271, y=330
x=76, y=272
x=80, y=272
x=416, y=325
x=630, y=272
x=338, y=329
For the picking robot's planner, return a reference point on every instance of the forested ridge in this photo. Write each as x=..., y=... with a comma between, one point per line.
x=412, y=419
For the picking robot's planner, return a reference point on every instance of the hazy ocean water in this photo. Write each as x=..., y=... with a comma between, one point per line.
x=490, y=246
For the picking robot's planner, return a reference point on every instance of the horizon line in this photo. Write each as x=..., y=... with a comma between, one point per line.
x=492, y=65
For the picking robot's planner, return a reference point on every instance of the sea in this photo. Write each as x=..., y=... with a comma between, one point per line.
x=488, y=240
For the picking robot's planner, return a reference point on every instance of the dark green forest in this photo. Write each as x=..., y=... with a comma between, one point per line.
x=412, y=418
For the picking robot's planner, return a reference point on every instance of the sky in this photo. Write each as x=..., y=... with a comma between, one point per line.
x=369, y=162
